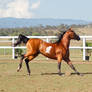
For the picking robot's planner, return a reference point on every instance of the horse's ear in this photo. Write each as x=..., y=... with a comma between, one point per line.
x=70, y=28
x=20, y=35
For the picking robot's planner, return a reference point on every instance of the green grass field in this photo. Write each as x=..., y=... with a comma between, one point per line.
x=44, y=77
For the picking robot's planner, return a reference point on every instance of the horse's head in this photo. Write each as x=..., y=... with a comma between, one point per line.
x=73, y=35
x=21, y=38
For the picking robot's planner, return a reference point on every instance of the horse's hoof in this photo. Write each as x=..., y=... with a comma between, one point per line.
x=18, y=70
x=60, y=74
x=80, y=74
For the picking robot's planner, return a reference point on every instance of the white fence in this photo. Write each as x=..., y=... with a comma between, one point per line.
x=83, y=38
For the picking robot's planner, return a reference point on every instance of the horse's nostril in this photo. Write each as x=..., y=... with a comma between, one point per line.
x=78, y=38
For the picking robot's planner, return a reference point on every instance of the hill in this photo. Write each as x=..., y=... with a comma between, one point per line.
x=22, y=22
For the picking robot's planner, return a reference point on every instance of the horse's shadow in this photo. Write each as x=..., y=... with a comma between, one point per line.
x=86, y=73
x=52, y=74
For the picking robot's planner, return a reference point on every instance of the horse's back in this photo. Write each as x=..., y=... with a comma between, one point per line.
x=38, y=45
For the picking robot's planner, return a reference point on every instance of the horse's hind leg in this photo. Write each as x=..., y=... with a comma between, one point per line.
x=20, y=64
x=30, y=53
x=27, y=63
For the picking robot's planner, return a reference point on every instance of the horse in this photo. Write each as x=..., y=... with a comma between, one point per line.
x=58, y=50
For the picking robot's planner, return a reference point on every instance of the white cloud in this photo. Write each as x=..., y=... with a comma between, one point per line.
x=35, y=5
x=18, y=9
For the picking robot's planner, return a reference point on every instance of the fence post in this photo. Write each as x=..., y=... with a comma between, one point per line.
x=13, y=49
x=47, y=40
x=84, y=49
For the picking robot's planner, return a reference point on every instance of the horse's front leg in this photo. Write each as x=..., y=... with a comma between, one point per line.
x=59, y=58
x=72, y=67
x=20, y=64
x=59, y=68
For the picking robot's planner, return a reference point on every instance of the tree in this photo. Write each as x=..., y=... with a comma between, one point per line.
x=35, y=34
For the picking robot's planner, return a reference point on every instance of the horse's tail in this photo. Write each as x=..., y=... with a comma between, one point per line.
x=21, y=38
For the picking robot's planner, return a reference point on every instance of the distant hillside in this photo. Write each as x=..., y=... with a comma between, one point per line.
x=21, y=22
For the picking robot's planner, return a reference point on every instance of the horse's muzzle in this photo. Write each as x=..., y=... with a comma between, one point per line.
x=78, y=38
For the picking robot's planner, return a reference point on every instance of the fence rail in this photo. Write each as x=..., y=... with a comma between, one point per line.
x=83, y=38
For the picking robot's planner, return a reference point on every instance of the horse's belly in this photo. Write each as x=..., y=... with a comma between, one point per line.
x=49, y=54
x=48, y=50
x=52, y=56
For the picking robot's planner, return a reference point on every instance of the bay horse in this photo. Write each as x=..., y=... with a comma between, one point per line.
x=58, y=50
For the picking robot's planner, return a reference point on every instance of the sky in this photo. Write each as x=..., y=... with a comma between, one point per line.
x=59, y=9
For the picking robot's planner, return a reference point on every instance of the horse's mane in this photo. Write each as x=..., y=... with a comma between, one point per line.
x=60, y=37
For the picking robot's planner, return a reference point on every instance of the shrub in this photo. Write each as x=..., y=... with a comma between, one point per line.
x=18, y=52
x=89, y=51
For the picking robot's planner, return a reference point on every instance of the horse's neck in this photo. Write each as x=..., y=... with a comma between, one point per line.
x=65, y=41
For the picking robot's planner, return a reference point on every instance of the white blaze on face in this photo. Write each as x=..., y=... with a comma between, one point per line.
x=48, y=49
